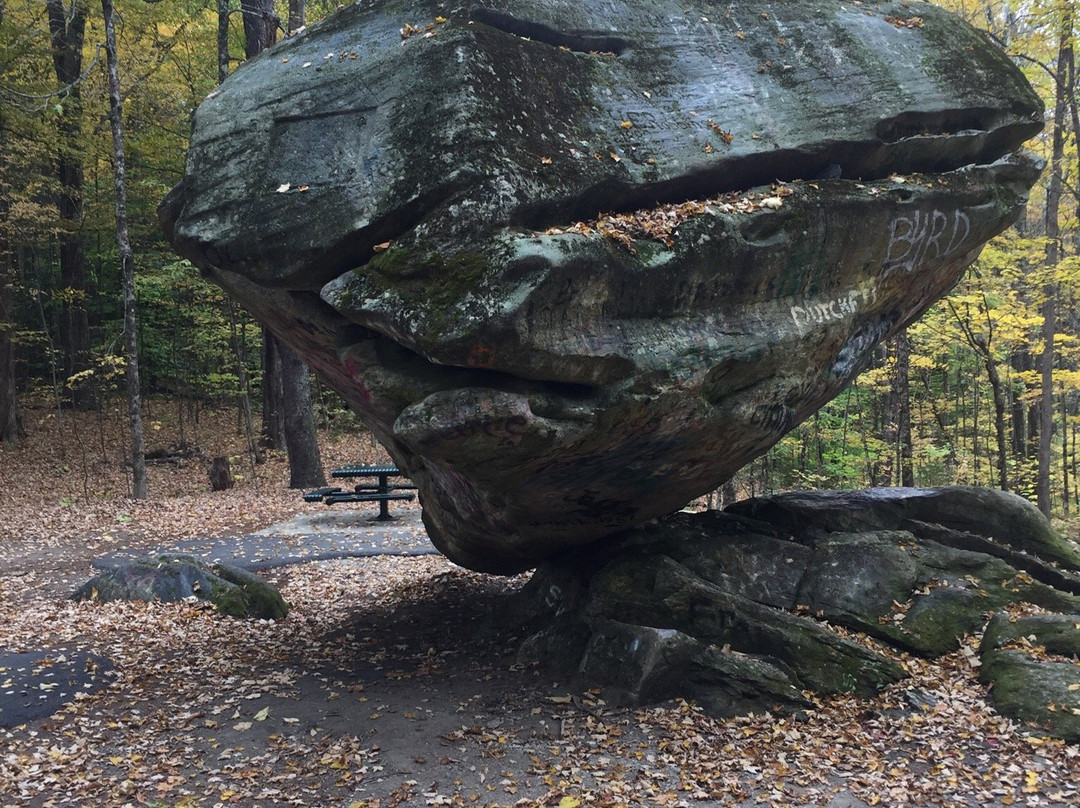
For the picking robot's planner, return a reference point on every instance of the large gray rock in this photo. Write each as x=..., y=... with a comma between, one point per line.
x=404, y=212
x=738, y=613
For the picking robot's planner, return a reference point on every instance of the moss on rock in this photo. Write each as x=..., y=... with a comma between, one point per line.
x=172, y=577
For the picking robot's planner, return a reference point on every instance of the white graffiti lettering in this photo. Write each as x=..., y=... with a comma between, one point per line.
x=819, y=312
x=554, y=596
x=914, y=239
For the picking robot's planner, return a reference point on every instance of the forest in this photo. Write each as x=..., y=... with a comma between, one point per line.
x=95, y=104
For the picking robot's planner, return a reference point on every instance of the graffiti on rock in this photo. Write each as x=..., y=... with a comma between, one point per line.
x=817, y=311
x=921, y=235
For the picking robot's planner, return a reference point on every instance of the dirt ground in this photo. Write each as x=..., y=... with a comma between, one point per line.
x=395, y=680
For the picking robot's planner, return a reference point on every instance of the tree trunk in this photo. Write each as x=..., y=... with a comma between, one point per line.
x=903, y=420
x=127, y=260
x=1064, y=451
x=260, y=26
x=981, y=345
x=297, y=14
x=273, y=404
x=998, y=390
x=1073, y=462
x=11, y=428
x=1020, y=361
x=287, y=415
x=67, y=27
x=223, y=40
x=1053, y=256
x=220, y=472
x=245, y=390
x=260, y=31
x=10, y=423
x=976, y=458
x=302, y=442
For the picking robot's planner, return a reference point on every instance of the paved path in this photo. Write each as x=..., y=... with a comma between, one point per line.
x=36, y=684
x=335, y=533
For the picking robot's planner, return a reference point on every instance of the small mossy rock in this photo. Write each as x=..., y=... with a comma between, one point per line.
x=1031, y=663
x=257, y=597
x=169, y=578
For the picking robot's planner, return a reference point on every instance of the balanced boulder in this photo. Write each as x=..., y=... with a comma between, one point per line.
x=576, y=264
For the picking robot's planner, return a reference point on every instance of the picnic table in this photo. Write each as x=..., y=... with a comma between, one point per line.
x=380, y=490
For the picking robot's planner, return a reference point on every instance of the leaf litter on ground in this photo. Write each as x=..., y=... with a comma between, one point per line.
x=209, y=711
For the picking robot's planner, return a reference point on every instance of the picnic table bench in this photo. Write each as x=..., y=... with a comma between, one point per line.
x=380, y=491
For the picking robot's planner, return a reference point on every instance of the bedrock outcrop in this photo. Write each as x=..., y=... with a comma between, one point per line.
x=759, y=606
x=410, y=196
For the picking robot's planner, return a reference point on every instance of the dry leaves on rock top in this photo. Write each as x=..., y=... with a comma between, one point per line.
x=661, y=223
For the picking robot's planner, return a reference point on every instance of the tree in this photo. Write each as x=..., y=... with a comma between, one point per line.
x=286, y=382
x=1062, y=88
x=67, y=27
x=297, y=14
x=903, y=410
x=10, y=423
x=982, y=344
x=273, y=407
x=301, y=439
x=260, y=26
x=127, y=261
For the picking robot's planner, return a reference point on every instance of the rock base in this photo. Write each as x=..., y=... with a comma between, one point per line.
x=761, y=606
